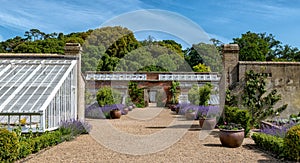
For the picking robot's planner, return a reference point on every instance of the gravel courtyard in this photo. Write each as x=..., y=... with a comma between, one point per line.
x=143, y=136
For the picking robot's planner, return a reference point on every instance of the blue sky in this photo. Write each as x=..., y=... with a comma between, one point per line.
x=223, y=20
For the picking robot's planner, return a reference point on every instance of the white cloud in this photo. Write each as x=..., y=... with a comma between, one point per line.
x=1, y=38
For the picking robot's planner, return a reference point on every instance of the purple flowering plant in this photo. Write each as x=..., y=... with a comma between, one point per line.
x=201, y=111
x=74, y=127
x=97, y=112
x=275, y=130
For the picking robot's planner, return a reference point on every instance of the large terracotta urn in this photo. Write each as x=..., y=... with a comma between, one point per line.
x=207, y=123
x=231, y=138
x=190, y=115
x=115, y=114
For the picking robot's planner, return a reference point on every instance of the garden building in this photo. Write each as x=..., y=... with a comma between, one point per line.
x=39, y=91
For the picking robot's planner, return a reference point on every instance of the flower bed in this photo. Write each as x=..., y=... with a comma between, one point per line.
x=97, y=112
x=283, y=142
x=15, y=145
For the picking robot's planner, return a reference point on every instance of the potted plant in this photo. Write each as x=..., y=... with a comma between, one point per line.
x=231, y=135
x=115, y=114
x=207, y=122
x=190, y=114
x=207, y=117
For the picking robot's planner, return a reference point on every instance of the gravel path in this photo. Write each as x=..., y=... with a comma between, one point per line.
x=131, y=135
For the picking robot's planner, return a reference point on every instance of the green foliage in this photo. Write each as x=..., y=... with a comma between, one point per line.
x=253, y=47
x=269, y=143
x=206, y=54
x=106, y=46
x=14, y=145
x=136, y=94
x=260, y=106
x=238, y=116
x=107, y=96
x=9, y=145
x=201, y=68
x=26, y=148
x=292, y=143
x=152, y=68
x=200, y=95
x=230, y=100
x=88, y=97
x=174, y=89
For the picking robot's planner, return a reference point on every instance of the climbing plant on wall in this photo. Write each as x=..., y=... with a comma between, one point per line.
x=254, y=99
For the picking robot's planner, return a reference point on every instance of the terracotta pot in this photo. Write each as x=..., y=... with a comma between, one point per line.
x=125, y=111
x=177, y=110
x=207, y=123
x=172, y=107
x=190, y=115
x=231, y=138
x=130, y=108
x=115, y=114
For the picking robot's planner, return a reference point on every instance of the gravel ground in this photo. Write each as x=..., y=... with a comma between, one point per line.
x=160, y=126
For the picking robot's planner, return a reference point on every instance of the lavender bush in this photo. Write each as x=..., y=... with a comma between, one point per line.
x=208, y=111
x=95, y=111
x=74, y=127
x=279, y=131
x=201, y=111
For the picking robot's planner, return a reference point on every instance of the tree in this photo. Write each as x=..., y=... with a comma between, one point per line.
x=107, y=46
x=257, y=46
x=192, y=57
x=210, y=56
x=201, y=68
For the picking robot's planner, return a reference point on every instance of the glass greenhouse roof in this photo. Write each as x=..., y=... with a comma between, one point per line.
x=27, y=85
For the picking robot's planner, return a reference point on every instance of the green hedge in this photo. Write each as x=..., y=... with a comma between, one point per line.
x=238, y=116
x=14, y=145
x=292, y=143
x=270, y=143
x=33, y=145
x=9, y=146
x=287, y=147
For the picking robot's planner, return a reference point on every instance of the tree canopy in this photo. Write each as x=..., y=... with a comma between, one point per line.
x=116, y=48
x=263, y=47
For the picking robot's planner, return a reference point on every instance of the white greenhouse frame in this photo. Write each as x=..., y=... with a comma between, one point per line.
x=37, y=94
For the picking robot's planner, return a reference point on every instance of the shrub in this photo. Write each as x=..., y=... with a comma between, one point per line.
x=107, y=96
x=292, y=143
x=277, y=131
x=94, y=111
x=200, y=96
x=74, y=127
x=9, y=145
x=269, y=143
x=26, y=148
x=174, y=90
x=238, y=116
x=136, y=94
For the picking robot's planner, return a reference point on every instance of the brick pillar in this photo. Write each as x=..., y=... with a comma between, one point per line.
x=74, y=49
x=230, y=61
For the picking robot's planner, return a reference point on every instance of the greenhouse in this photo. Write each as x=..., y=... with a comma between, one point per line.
x=37, y=94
